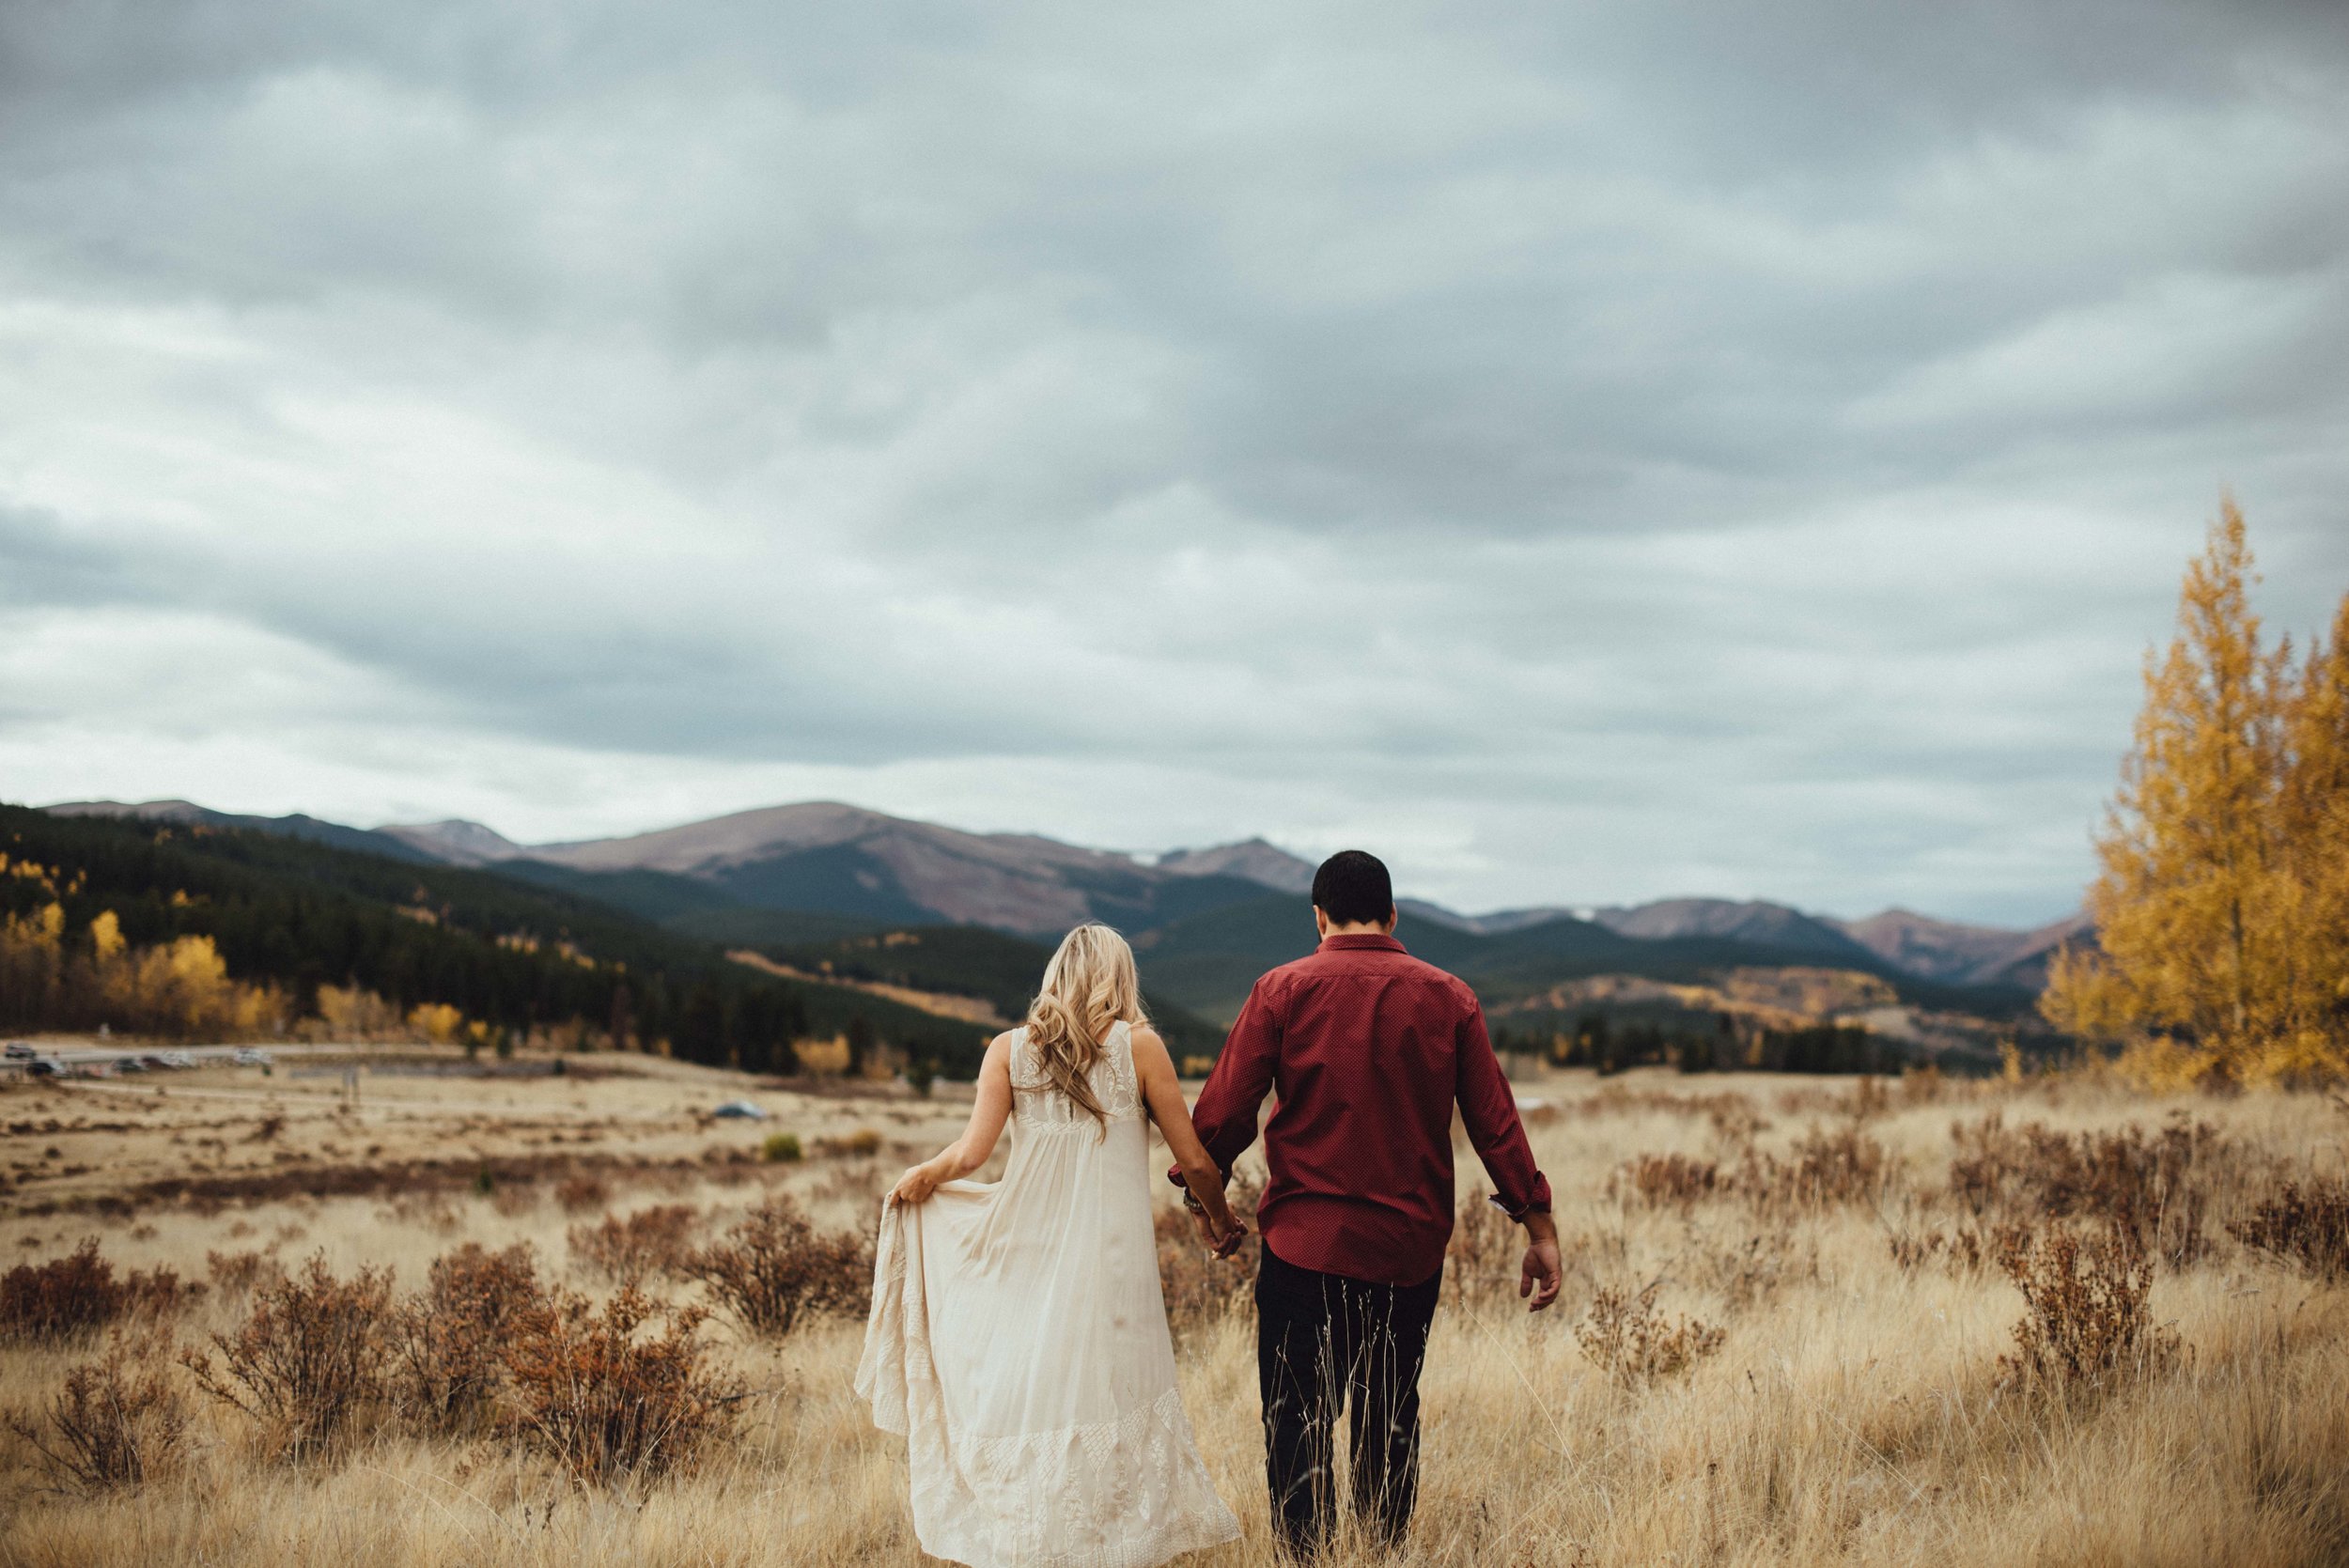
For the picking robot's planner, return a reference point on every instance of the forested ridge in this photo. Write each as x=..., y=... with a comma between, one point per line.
x=113, y=914
x=999, y=969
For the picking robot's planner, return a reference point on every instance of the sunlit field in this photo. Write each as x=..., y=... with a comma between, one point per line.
x=1794, y=1343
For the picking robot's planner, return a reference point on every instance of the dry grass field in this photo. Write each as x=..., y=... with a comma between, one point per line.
x=1794, y=1343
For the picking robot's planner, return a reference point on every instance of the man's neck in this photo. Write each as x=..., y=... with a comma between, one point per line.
x=1367, y=928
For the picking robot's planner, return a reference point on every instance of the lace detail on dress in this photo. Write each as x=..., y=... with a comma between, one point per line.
x=1041, y=1107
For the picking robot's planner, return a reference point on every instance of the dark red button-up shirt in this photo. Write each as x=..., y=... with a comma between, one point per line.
x=1368, y=1049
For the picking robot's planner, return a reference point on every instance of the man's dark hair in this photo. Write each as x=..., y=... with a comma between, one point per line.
x=1353, y=889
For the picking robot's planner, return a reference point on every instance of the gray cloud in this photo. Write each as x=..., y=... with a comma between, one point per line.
x=1684, y=447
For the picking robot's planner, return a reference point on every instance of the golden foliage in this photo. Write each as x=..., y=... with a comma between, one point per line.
x=2223, y=900
x=180, y=987
x=352, y=1012
x=440, y=1022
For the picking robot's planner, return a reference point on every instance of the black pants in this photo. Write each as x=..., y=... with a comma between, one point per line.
x=1323, y=1340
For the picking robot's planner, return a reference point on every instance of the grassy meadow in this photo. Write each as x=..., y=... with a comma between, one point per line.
x=1788, y=1334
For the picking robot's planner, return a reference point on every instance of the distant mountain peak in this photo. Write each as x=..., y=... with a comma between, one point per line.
x=1252, y=860
x=456, y=841
x=145, y=811
x=1756, y=920
x=1952, y=950
x=297, y=825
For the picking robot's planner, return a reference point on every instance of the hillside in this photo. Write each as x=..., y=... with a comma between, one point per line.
x=832, y=859
x=1757, y=923
x=1965, y=955
x=1208, y=962
x=187, y=813
x=990, y=967
x=818, y=870
x=802, y=886
x=295, y=915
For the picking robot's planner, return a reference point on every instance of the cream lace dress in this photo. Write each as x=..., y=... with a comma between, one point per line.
x=1018, y=1342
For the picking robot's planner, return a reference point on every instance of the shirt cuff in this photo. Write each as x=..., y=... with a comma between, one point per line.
x=1539, y=1203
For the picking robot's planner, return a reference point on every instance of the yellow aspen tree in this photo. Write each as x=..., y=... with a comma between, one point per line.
x=106, y=937
x=2314, y=830
x=2188, y=862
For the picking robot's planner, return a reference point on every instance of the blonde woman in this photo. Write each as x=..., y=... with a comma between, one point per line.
x=1018, y=1338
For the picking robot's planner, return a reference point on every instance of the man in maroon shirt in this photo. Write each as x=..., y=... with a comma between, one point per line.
x=1368, y=1049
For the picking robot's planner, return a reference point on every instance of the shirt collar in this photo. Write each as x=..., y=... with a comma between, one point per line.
x=1359, y=942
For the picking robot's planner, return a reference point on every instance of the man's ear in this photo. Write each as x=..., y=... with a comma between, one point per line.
x=1321, y=921
x=1394, y=916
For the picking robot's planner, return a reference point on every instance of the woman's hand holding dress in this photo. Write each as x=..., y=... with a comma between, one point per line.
x=915, y=1186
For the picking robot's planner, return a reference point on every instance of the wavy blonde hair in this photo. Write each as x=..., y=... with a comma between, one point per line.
x=1089, y=987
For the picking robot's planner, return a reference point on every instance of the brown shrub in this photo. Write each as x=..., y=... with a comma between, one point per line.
x=859, y=1183
x=2087, y=1320
x=774, y=1268
x=307, y=1359
x=2306, y=1226
x=240, y=1271
x=1735, y=1121
x=1665, y=1180
x=447, y=1341
x=582, y=1194
x=113, y=1421
x=629, y=1246
x=1633, y=1343
x=1868, y=1099
x=1486, y=1255
x=2155, y=1186
x=515, y=1201
x=863, y=1142
x=1827, y=1168
x=605, y=1402
x=1964, y=1249
x=79, y=1293
x=1752, y=1271
x=1201, y=1289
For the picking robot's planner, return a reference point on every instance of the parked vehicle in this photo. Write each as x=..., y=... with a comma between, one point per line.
x=18, y=1051
x=128, y=1065
x=45, y=1067
x=177, y=1060
x=251, y=1056
x=741, y=1111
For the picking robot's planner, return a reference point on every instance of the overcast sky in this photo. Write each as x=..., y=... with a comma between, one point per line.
x=1588, y=453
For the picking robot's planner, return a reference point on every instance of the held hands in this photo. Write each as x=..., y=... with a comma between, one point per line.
x=1224, y=1244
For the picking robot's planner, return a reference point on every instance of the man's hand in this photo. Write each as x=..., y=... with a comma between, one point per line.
x=1542, y=1276
x=1220, y=1246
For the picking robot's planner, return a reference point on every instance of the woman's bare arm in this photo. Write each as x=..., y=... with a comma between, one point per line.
x=1163, y=1093
x=988, y=1112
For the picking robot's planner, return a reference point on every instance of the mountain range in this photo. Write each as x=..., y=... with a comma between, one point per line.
x=778, y=874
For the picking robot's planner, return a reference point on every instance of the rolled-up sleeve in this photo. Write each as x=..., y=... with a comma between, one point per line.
x=1226, y=1116
x=1488, y=1109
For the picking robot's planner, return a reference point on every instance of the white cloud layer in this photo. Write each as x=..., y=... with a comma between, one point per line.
x=1589, y=456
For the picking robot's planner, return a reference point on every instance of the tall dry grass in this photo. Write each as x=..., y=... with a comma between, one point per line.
x=1834, y=1398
